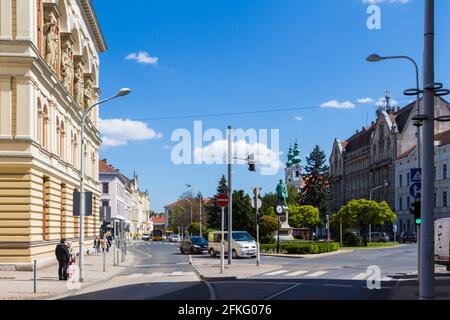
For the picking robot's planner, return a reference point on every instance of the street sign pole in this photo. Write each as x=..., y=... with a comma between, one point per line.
x=230, y=196
x=257, y=204
x=222, y=243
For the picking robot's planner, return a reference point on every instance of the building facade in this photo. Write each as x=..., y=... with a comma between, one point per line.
x=403, y=166
x=49, y=62
x=366, y=160
x=140, y=209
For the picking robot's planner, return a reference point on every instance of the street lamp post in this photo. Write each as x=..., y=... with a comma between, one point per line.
x=121, y=93
x=385, y=185
x=377, y=58
x=200, y=205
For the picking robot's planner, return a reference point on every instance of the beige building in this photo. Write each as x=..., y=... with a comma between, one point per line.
x=366, y=160
x=140, y=209
x=49, y=61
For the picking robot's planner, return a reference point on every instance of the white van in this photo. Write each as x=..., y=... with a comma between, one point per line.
x=442, y=242
x=244, y=245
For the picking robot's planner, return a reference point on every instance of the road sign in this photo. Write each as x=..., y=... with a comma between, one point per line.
x=222, y=200
x=415, y=190
x=416, y=175
x=395, y=228
x=256, y=203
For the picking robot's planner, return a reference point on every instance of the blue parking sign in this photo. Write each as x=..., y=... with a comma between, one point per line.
x=415, y=190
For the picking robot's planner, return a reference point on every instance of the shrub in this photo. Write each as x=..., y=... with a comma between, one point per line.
x=301, y=248
x=352, y=240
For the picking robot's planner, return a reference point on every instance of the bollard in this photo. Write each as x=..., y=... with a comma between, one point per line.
x=34, y=277
x=104, y=261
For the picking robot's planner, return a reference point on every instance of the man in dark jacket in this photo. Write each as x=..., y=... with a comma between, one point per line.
x=63, y=257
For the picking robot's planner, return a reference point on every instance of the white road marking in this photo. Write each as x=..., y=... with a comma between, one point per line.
x=283, y=291
x=276, y=273
x=361, y=276
x=294, y=274
x=177, y=274
x=317, y=274
x=386, y=279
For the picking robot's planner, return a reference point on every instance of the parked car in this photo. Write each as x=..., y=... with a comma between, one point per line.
x=194, y=245
x=146, y=237
x=408, y=237
x=243, y=245
x=378, y=237
x=442, y=242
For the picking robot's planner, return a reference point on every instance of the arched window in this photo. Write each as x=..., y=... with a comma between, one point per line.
x=40, y=116
x=58, y=135
x=93, y=165
x=45, y=125
x=62, y=137
x=75, y=150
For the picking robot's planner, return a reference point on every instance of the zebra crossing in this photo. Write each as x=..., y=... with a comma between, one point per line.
x=322, y=274
x=157, y=275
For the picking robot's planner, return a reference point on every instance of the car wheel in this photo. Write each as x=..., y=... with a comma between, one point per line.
x=212, y=253
x=181, y=250
x=234, y=254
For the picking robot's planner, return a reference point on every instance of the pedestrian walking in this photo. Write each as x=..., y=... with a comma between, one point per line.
x=63, y=257
x=103, y=244
x=97, y=245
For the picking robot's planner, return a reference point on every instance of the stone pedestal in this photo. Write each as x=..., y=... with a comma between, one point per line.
x=285, y=229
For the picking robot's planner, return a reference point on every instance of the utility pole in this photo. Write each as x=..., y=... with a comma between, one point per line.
x=230, y=195
x=427, y=236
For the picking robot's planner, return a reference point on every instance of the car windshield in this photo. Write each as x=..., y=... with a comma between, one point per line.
x=242, y=236
x=199, y=241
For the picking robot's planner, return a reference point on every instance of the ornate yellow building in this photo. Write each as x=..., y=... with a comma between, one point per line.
x=49, y=61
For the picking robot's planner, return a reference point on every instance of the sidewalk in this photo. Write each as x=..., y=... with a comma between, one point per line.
x=209, y=269
x=16, y=285
x=307, y=256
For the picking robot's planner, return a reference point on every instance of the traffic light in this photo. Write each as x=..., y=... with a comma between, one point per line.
x=251, y=163
x=416, y=210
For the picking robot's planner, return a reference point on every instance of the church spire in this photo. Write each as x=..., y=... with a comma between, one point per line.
x=296, y=154
x=290, y=157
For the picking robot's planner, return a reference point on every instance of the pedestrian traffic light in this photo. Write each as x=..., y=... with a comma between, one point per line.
x=251, y=163
x=416, y=210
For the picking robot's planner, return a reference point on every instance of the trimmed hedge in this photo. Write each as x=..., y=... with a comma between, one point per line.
x=301, y=248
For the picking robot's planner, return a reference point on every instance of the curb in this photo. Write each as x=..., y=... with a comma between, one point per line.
x=59, y=296
x=206, y=278
x=301, y=256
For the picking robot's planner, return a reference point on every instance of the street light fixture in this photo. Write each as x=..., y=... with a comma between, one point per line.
x=121, y=93
x=416, y=92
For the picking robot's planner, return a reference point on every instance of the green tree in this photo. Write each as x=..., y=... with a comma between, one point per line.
x=361, y=213
x=303, y=216
x=268, y=224
x=213, y=211
x=194, y=229
x=269, y=203
x=293, y=195
x=316, y=191
x=243, y=212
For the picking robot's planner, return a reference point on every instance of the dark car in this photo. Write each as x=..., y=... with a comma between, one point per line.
x=194, y=245
x=408, y=237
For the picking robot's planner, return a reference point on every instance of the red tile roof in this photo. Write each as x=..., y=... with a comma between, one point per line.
x=104, y=167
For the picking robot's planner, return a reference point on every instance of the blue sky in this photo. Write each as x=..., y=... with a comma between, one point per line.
x=207, y=57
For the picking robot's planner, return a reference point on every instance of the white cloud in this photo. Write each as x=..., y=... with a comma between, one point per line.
x=385, y=1
x=338, y=105
x=216, y=153
x=365, y=100
x=299, y=118
x=119, y=132
x=142, y=57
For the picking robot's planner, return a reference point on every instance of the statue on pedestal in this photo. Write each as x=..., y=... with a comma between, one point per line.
x=67, y=66
x=282, y=194
x=88, y=93
x=79, y=85
x=51, y=40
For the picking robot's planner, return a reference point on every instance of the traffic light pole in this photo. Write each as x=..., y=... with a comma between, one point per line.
x=230, y=195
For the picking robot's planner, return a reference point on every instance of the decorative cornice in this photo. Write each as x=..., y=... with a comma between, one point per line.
x=94, y=24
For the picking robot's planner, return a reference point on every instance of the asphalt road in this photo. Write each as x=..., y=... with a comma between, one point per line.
x=162, y=273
